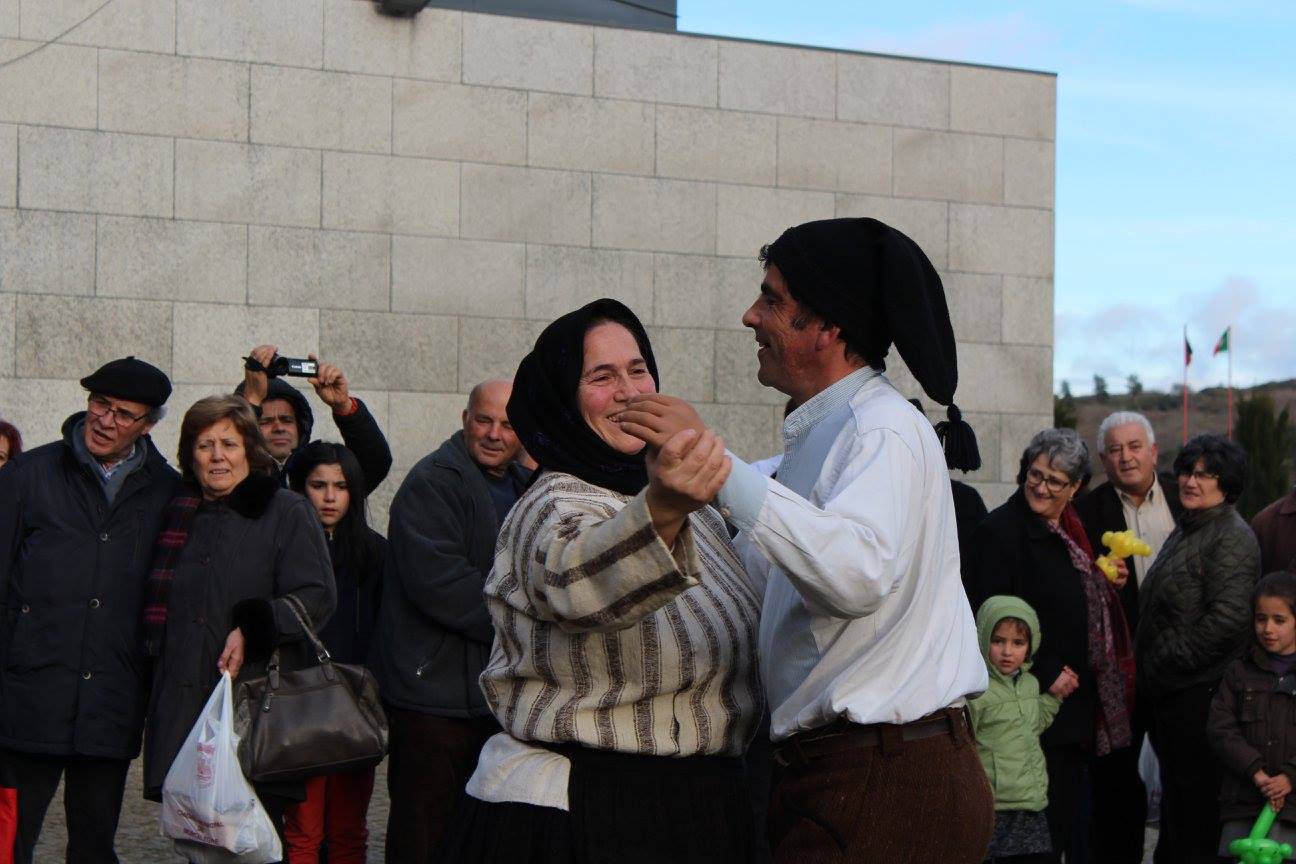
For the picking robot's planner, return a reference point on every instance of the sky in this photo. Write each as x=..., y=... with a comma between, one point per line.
x=1176, y=162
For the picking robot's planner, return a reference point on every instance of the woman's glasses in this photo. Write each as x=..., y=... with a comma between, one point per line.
x=1035, y=477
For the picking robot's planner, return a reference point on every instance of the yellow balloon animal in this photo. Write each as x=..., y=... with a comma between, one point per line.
x=1120, y=544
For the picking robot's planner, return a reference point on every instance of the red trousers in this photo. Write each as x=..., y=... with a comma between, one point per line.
x=334, y=812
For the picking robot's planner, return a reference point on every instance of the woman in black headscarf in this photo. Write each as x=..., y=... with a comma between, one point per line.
x=624, y=665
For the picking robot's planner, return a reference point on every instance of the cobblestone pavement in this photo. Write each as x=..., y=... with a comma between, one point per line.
x=138, y=841
x=137, y=833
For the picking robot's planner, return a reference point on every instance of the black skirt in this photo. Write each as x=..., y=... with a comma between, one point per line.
x=622, y=809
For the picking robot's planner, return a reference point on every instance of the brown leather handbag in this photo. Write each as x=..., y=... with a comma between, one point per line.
x=319, y=720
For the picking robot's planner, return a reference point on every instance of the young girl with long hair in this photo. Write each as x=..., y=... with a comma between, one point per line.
x=336, y=804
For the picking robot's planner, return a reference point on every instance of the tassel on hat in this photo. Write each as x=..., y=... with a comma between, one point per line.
x=959, y=441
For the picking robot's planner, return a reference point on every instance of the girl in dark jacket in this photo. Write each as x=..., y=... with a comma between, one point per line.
x=330, y=477
x=1252, y=726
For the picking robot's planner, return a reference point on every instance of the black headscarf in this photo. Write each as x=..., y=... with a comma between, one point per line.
x=878, y=287
x=545, y=412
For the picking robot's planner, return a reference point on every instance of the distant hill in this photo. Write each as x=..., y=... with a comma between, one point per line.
x=1207, y=412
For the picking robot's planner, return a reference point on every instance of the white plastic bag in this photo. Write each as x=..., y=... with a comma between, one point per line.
x=205, y=797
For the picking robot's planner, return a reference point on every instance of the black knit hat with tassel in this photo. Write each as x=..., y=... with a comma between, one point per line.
x=879, y=288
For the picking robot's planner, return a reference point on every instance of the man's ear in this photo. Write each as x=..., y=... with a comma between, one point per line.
x=828, y=336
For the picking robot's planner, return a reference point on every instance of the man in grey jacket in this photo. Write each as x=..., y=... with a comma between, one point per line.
x=434, y=634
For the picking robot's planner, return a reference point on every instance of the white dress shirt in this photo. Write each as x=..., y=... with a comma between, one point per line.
x=1152, y=521
x=864, y=613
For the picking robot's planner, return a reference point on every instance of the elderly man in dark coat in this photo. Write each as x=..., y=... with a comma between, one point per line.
x=77, y=521
x=1134, y=497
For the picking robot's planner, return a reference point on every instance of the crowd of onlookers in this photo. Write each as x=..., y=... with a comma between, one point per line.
x=1187, y=648
x=598, y=636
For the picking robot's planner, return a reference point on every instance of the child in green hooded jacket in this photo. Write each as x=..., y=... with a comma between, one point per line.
x=1007, y=720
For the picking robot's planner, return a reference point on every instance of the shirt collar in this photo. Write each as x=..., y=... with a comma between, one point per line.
x=826, y=402
x=1149, y=498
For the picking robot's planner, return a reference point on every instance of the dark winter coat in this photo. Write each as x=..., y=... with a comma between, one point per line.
x=244, y=553
x=434, y=632
x=1275, y=528
x=1252, y=726
x=1013, y=552
x=348, y=635
x=360, y=433
x=969, y=510
x=73, y=676
x=1100, y=510
x=1195, y=603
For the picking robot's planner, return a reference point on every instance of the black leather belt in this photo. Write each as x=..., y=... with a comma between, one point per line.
x=843, y=735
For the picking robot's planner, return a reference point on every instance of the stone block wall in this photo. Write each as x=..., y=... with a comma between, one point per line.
x=414, y=199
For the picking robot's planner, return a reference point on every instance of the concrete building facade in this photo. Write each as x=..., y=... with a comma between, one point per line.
x=414, y=199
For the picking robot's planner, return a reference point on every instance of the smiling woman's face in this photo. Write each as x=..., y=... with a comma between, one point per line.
x=614, y=370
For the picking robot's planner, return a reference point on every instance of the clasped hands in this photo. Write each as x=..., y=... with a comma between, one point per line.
x=686, y=461
x=1276, y=787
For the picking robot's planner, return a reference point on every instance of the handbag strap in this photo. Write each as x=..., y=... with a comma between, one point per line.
x=299, y=612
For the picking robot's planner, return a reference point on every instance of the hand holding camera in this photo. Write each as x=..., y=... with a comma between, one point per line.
x=264, y=362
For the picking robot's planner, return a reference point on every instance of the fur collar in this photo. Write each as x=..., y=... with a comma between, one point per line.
x=251, y=498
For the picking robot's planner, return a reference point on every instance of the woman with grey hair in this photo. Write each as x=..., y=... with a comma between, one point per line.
x=1035, y=548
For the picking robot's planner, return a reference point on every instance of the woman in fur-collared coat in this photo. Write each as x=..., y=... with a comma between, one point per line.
x=234, y=544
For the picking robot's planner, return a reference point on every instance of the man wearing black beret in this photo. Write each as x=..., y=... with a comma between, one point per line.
x=867, y=643
x=77, y=522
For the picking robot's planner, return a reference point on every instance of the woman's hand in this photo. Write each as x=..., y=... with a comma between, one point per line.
x=684, y=476
x=231, y=659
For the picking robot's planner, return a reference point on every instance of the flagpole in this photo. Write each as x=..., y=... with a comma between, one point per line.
x=1185, y=387
x=1230, y=383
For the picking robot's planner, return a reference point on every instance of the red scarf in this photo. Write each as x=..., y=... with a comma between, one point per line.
x=178, y=517
x=1111, y=656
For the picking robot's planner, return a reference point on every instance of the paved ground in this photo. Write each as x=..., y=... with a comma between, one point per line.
x=138, y=841
x=137, y=835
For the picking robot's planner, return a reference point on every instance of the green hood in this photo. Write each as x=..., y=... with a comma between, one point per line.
x=994, y=610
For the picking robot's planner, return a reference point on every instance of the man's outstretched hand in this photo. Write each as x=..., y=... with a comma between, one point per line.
x=656, y=418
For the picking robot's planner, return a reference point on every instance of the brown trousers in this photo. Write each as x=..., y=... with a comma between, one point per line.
x=900, y=802
x=431, y=759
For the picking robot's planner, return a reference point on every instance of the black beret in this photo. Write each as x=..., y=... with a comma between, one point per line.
x=130, y=379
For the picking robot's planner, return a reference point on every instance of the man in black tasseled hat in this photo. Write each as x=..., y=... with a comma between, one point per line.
x=78, y=517
x=868, y=646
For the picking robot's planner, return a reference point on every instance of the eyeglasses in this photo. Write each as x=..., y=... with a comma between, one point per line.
x=1199, y=475
x=101, y=407
x=1035, y=477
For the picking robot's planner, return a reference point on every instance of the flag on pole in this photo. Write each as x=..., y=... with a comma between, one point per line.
x=1187, y=348
x=1223, y=343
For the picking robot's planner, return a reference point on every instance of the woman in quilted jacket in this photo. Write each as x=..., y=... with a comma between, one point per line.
x=1194, y=620
x=1008, y=719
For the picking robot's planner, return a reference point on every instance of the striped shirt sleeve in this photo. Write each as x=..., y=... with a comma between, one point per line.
x=588, y=570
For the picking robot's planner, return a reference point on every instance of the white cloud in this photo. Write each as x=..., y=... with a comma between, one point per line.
x=1147, y=340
